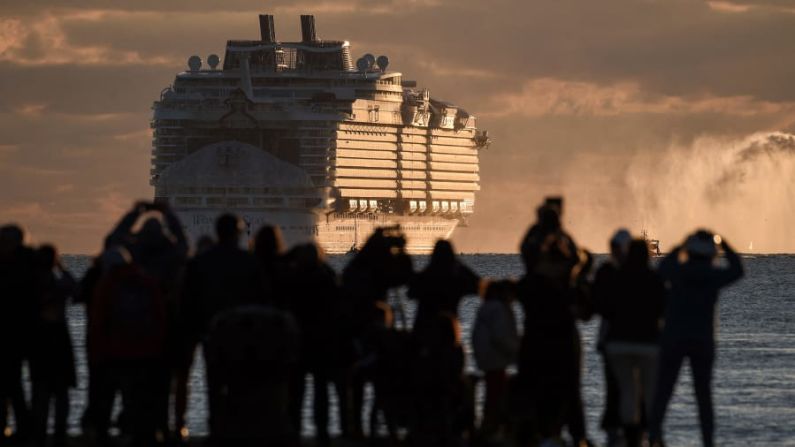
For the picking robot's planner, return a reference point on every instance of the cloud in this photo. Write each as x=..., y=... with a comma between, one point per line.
x=31, y=110
x=74, y=227
x=745, y=6
x=6, y=149
x=213, y=6
x=41, y=41
x=24, y=212
x=64, y=188
x=82, y=89
x=136, y=135
x=539, y=97
x=570, y=91
x=725, y=6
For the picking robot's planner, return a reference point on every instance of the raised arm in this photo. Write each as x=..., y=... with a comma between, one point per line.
x=735, y=269
x=123, y=230
x=175, y=227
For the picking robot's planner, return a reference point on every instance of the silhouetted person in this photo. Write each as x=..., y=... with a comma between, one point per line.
x=530, y=246
x=52, y=368
x=549, y=359
x=602, y=290
x=222, y=278
x=251, y=352
x=495, y=345
x=160, y=248
x=438, y=289
x=128, y=326
x=103, y=382
x=315, y=304
x=442, y=284
x=633, y=312
x=438, y=382
x=390, y=364
x=185, y=346
x=101, y=387
x=381, y=265
x=17, y=314
x=269, y=251
x=689, y=330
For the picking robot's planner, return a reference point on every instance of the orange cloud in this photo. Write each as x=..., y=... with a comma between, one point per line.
x=64, y=188
x=8, y=149
x=31, y=110
x=143, y=134
x=739, y=6
x=41, y=41
x=724, y=6
x=74, y=230
x=547, y=96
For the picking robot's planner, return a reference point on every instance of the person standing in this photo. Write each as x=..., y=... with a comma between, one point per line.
x=694, y=282
x=603, y=288
x=442, y=284
x=438, y=290
x=160, y=249
x=633, y=314
x=549, y=356
x=221, y=279
x=495, y=344
x=268, y=248
x=52, y=364
x=17, y=313
x=126, y=340
x=381, y=265
x=315, y=305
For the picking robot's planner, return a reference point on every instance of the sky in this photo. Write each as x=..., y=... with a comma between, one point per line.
x=664, y=115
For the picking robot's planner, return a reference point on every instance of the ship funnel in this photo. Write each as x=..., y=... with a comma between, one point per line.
x=308, y=28
x=266, y=29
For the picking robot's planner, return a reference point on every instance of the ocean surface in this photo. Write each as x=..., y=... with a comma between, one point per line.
x=754, y=379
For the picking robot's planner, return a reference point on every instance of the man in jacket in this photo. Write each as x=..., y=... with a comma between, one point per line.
x=693, y=283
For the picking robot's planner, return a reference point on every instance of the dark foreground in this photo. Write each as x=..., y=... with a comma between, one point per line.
x=265, y=321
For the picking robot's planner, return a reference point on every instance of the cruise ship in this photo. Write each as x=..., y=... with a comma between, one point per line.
x=299, y=136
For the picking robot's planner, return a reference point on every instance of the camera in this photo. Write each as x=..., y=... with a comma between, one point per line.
x=394, y=239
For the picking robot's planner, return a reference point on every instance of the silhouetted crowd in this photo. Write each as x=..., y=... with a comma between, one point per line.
x=264, y=319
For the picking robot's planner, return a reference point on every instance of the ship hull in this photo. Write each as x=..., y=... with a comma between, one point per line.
x=335, y=233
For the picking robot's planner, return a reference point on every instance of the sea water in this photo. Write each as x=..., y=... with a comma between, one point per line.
x=754, y=378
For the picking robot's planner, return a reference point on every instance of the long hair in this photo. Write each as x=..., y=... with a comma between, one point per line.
x=442, y=257
x=268, y=244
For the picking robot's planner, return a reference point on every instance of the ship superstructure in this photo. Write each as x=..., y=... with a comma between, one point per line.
x=296, y=134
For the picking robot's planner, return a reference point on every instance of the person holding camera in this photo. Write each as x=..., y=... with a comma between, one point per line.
x=382, y=264
x=160, y=249
x=694, y=282
x=551, y=293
